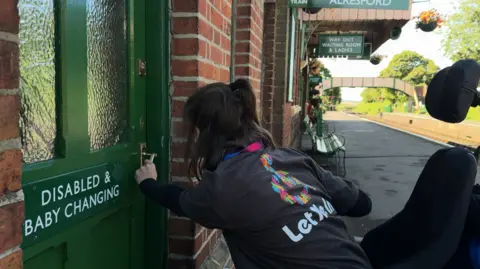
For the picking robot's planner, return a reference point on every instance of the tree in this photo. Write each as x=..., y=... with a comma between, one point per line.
x=408, y=66
x=334, y=95
x=370, y=95
x=463, y=32
x=323, y=71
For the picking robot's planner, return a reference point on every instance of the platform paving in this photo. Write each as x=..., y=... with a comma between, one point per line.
x=383, y=162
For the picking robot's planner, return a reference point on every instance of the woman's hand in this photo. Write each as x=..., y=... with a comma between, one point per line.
x=148, y=170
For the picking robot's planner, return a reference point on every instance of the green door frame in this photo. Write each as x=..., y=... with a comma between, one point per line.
x=158, y=124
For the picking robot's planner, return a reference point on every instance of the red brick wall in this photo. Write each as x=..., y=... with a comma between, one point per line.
x=280, y=109
x=248, y=43
x=268, y=64
x=281, y=116
x=11, y=195
x=200, y=54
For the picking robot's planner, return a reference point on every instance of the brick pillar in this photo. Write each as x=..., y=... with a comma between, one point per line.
x=268, y=64
x=282, y=118
x=248, y=43
x=281, y=108
x=11, y=195
x=200, y=54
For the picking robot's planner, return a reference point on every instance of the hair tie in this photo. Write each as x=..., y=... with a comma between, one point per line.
x=233, y=87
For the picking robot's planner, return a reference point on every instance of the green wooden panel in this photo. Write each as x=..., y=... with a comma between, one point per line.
x=158, y=124
x=111, y=249
x=53, y=257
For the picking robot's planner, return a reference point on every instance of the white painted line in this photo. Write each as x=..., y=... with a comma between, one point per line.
x=405, y=132
x=9, y=37
x=9, y=91
x=410, y=133
x=433, y=119
x=9, y=251
x=14, y=143
x=12, y=198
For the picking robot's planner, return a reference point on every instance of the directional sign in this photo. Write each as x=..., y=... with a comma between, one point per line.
x=360, y=4
x=340, y=45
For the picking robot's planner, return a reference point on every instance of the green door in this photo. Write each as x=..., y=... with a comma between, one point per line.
x=82, y=121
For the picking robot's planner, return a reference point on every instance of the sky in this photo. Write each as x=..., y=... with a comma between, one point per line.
x=426, y=44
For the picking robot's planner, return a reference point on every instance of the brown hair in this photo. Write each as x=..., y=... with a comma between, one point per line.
x=220, y=116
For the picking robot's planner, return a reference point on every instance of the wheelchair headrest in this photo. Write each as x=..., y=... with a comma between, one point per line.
x=453, y=91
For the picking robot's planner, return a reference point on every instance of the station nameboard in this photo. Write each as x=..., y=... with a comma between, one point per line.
x=60, y=202
x=360, y=4
x=340, y=45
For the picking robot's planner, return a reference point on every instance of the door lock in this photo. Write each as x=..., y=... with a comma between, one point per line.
x=141, y=68
x=142, y=152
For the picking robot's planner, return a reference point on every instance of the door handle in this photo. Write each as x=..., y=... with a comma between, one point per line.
x=142, y=152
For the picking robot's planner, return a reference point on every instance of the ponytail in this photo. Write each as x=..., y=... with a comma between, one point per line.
x=244, y=92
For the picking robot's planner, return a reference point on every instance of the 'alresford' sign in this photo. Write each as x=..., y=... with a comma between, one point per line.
x=361, y=4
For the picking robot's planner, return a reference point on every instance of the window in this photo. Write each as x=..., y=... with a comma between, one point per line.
x=44, y=84
x=37, y=80
x=291, y=53
x=107, y=72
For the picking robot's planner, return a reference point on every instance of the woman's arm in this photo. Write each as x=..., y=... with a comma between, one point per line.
x=167, y=195
x=346, y=197
x=197, y=203
x=362, y=207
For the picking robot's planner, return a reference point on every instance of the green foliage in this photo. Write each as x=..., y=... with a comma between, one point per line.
x=336, y=93
x=370, y=108
x=370, y=95
x=326, y=74
x=408, y=66
x=411, y=67
x=473, y=114
x=463, y=32
x=345, y=107
x=323, y=71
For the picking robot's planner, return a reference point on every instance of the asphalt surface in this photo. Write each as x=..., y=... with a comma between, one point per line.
x=383, y=162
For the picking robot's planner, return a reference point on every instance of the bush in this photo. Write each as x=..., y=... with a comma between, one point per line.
x=370, y=108
x=473, y=114
x=345, y=107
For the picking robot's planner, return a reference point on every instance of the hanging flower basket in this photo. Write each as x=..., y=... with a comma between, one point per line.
x=427, y=27
x=311, y=10
x=375, y=59
x=395, y=33
x=429, y=20
x=315, y=64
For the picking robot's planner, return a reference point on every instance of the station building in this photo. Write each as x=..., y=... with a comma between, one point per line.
x=88, y=86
